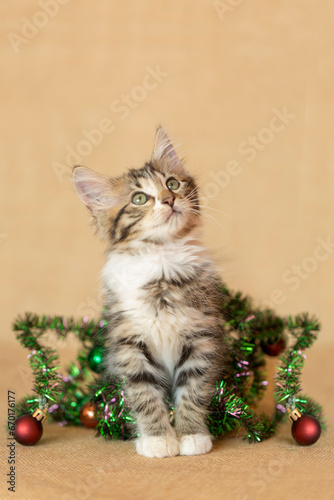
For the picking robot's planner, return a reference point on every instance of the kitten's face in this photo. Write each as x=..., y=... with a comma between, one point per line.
x=157, y=203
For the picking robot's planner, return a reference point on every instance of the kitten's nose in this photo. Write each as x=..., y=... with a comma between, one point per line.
x=169, y=200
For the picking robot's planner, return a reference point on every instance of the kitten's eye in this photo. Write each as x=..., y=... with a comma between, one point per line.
x=172, y=184
x=139, y=198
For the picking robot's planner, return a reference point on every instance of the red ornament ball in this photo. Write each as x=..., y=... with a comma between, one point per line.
x=306, y=430
x=28, y=430
x=87, y=415
x=274, y=349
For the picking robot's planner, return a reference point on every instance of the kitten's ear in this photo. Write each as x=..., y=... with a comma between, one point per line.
x=164, y=153
x=95, y=190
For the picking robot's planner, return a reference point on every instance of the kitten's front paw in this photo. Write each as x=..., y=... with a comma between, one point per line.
x=157, y=446
x=195, y=444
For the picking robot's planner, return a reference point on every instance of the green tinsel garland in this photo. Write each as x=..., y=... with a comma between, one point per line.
x=231, y=406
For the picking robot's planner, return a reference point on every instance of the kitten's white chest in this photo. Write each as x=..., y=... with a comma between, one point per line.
x=131, y=279
x=126, y=274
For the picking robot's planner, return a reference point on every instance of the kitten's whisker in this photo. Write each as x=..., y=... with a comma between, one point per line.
x=209, y=216
x=206, y=206
x=216, y=210
x=191, y=199
x=193, y=192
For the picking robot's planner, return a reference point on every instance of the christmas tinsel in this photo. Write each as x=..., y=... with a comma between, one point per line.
x=234, y=399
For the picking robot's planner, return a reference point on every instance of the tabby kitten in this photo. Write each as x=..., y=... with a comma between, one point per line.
x=163, y=298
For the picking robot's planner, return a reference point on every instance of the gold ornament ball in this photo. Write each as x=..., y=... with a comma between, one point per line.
x=87, y=415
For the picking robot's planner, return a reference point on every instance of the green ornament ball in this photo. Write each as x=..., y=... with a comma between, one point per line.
x=95, y=359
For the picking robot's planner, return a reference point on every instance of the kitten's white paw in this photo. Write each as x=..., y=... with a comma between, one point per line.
x=195, y=444
x=157, y=446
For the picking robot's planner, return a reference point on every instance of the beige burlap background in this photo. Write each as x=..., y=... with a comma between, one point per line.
x=246, y=89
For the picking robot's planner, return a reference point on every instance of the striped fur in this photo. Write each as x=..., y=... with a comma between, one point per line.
x=163, y=300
